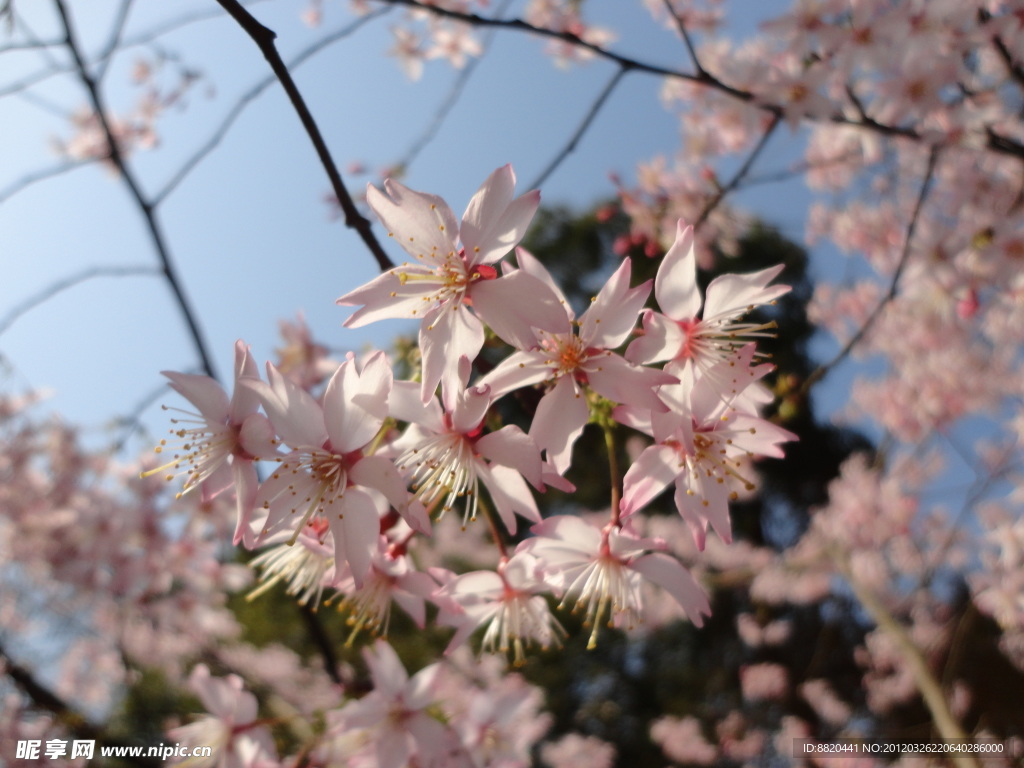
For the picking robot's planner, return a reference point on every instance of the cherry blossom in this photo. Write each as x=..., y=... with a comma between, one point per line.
x=326, y=475
x=601, y=570
x=448, y=277
x=225, y=430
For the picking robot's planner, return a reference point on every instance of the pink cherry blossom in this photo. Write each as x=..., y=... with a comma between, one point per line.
x=602, y=569
x=448, y=277
x=509, y=601
x=446, y=454
x=568, y=362
x=678, y=335
x=224, y=430
x=700, y=444
x=238, y=740
x=326, y=475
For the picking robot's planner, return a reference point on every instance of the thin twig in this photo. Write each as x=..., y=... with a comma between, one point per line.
x=32, y=178
x=264, y=39
x=459, y=84
x=996, y=142
x=174, y=24
x=930, y=688
x=819, y=372
x=581, y=129
x=145, y=206
x=249, y=96
x=740, y=174
x=106, y=55
x=322, y=641
x=615, y=473
x=70, y=282
x=686, y=37
x=129, y=422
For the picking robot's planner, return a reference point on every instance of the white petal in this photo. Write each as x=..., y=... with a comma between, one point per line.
x=379, y=473
x=486, y=208
x=203, y=392
x=510, y=494
x=622, y=382
x=352, y=420
x=520, y=369
x=511, y=447
x=422, y=224
x=445, y=337
x=669, y=574
x=676, y=284
x=730, y=295
x=611, y=317
x=515, y=304
x=559, y=421
x=404, y=404
x=356, y=527
x=246, y=485
x=650, y=474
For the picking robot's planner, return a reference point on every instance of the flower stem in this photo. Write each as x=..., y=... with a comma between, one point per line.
x=613, y=469
x=492, y=524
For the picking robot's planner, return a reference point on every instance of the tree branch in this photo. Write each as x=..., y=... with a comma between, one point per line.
x=75, y=722
x=996, y=142
x=69, y=282
x=686, y=38
x=741, y=173
x=145, y=207
x=264, y=39
x=249, y=96
x=583, y=126
x=42, y=175
x=106, y=55
x=819, y=372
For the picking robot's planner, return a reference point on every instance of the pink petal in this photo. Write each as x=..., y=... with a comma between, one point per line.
x=404, y=404
x=246, y=485
x=445, y=337
x=257, y=437
x=676, y=284
x=379, y=473
x=515, y=304
x=421, y=687
x=469, y=409
x=611, y=317
x=203, y=392
x=386, y=669
x=571, y=530
x=243, y=400
x=293, y=412
x=730, y=295
x=355, y=406
x=417, y=518
x=634, y=418
x=510, y=494
x=485, y=209
x=622, y=382
x=532, y=266
x=669, y=574
x=508, y=230
x=422, y=224
x=356, y=527
x=559, y=421
x=485, y=585
x=385, y=297
x=650, y=474
x=692, y=511
x=218, y=482
x=520, y=369
x=663, y=339
x=511, y=447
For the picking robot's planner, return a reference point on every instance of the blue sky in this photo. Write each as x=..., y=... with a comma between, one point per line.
x=248, y=228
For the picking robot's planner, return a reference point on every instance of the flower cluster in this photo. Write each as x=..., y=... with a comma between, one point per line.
x=350, y=489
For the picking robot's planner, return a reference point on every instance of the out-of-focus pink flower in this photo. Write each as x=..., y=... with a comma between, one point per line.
x=232, y=729
x=577, y=751
x=763, y=681
x=681, y=740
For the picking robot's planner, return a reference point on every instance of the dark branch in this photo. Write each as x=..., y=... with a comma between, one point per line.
x=75, y=722
x=996, y=142
x=686, y=38
x=248, y=97
x=264, y=39
x=32, y=178
x=583, y=126
x=740, y=174
x=70, y=282
x=819, y=372
x=106, y=55
x=1016, y=71
x=323, y=642
x=145, y=207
